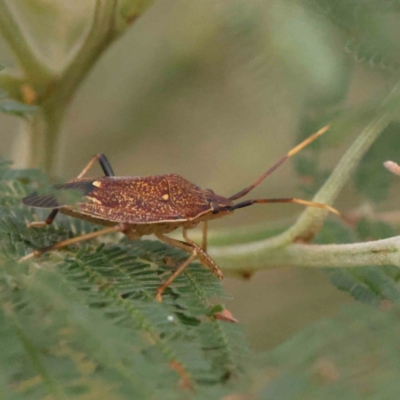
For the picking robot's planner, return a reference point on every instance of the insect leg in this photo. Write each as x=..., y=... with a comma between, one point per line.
x=247, y=203
x=175, y=243
x=204, y=257
x=47, y=221
x=195, y=250
x=188, y=246
x=161, y=288
x=104, y=164
x=38, y=253
x=108, y=171
x=204, y=241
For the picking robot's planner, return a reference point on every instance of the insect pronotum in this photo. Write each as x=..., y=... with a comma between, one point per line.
x=158, y=205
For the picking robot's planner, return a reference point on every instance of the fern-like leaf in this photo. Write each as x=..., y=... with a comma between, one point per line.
x=84, y=320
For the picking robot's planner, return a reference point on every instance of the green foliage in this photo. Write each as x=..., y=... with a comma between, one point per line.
x=371, y=178
x=368, y=32
x=53, y=76
x=84, y=321
x=9, y=106
x=353, y=356
x=367, y=284
x=370, y=29
x=14, y=107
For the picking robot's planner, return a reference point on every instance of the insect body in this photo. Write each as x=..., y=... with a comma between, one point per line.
x=157, y=205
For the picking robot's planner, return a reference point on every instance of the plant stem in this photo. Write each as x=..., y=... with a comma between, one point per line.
x=43, y=138
x=379, y=252
x=34, y=69
x=55, y=93
x=97, y=40
x=62, y=91
x=280, y=250
x=12, y=85
x=312, y=219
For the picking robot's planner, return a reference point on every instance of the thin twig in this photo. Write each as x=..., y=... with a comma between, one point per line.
x=377, y=252
x=35, y=70
x=278, y=250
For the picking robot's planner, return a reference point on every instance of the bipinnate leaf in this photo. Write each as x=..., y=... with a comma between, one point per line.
x=370, y=30
x=371, y=178
x=8, y=106
x=369, y=284
x=353, y=356
x=84, y=321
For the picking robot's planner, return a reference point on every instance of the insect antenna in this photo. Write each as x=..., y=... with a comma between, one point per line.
x=247, y=203
x=291, y=153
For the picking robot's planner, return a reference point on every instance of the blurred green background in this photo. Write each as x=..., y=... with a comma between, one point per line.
x=215, y=91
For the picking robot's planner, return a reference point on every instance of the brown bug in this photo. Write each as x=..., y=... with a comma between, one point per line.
x=138, y=206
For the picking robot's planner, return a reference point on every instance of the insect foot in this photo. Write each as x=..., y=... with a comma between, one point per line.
x=38, y=253
x=159, y=204
x=161, y=288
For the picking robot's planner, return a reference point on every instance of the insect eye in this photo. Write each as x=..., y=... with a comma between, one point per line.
x=215, y=207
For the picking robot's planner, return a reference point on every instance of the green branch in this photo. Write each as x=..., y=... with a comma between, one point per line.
x=97, y=40
x=102, y=33
x=54, y=107
x=377, y=252
x=35, y=70
x=312, y=219
x=12, y=85
x=55, y=93
x=278, y=250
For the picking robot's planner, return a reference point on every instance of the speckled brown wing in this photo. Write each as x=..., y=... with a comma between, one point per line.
x=189, y=199
x=192, y=201
x=134, y=200
x=143, y=200
x=61, y=194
